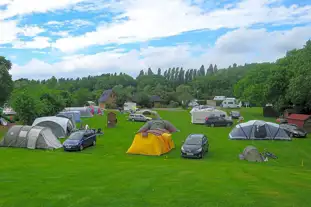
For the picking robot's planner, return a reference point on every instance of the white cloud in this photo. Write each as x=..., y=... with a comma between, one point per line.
x=149, y=19
x=239, y=46
x=74, y=23
x=60, y=33
x=23, y=7
x=31, y=31
x=36, y=43
x=10, y=31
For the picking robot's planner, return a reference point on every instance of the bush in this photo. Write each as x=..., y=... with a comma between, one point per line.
x=111, y=106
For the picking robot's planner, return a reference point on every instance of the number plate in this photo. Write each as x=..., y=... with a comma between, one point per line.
x=189, y=153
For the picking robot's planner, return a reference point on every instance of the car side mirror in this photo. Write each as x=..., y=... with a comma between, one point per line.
x=183, y=142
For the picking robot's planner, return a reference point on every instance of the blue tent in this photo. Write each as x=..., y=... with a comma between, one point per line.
x=75, y=114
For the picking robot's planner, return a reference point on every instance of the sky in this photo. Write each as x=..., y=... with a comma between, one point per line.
x=76, y=38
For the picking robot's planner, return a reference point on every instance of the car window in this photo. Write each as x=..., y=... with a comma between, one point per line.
x=193, y=141
x=76, y=136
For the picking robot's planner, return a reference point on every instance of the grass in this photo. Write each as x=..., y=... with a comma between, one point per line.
x=106, y=176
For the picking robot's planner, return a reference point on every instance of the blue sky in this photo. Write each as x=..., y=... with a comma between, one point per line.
x=71, y=38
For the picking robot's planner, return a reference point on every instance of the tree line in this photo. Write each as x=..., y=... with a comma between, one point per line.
x=283, y=83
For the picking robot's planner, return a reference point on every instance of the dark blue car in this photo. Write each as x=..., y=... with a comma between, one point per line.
x=79, y=140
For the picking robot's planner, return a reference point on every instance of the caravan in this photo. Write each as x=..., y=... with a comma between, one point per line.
x=199, y=116
x=231, y=103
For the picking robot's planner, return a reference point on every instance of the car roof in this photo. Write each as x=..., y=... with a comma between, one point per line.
x=199, y=136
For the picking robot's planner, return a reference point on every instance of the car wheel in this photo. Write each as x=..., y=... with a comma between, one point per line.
x=291, y=135
x=94, y=143
x=202, y=155
x=133, y=120
x=212, y=125
x=81, y=147
x=229, y=125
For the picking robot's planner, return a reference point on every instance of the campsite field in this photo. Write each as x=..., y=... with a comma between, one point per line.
x=106, y=176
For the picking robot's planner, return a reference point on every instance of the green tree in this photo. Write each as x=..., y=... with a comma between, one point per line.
x=25, y=106
x=159, y=71
x=150, y=71
x=6, y=82
x=215, y=68
x=202, y=71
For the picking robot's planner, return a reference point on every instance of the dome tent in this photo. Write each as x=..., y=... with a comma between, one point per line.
x=258, y=130
x=31, y=137
x=251, y=154
x=60, y=126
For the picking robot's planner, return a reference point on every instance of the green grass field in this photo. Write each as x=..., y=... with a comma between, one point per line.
x=106, y=176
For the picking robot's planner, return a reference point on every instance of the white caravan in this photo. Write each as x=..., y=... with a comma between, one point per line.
x=129, y=106
x=231, y=103
x=199, y=116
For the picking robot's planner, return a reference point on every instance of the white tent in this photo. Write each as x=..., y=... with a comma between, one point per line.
x=258, y=130
x=31, y=137
x=61, y=127
x=199, y=116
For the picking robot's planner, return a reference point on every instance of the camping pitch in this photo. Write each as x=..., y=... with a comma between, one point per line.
x=31, y=137
x=61, y=127
x=258, y=130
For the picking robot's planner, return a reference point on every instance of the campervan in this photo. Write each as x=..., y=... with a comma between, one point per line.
x=230, y=103
x=219, y=98
x=129, y=106
x=199, y=116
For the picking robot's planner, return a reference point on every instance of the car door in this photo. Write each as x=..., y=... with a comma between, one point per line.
x=87, y=139
x=204, y=144
x=217, y=121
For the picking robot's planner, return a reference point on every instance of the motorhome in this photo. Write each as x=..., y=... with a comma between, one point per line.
x=199, y=116
x=231, y=103
x=129, y=106
x=219, y=98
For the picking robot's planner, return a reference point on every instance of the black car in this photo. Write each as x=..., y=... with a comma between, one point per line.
x=235, y=114
x=218, y=121
x=79, y=140
x=293, y=130
x=195, y=146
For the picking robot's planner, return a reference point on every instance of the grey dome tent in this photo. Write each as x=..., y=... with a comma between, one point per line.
x=158, y=124
x=258, y=130
x=61, y=127
x=251, y=154
x=31, y=137
x=84, y=111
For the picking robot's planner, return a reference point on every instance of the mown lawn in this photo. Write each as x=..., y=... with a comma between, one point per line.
x=106, y=176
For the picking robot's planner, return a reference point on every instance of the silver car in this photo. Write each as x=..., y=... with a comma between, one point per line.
x=138, y=117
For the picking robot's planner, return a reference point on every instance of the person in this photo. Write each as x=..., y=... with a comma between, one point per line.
x=241, y=119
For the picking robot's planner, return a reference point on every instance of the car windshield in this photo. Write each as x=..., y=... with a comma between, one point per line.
x=193, y=141
x=76, y=136
x=289, y=126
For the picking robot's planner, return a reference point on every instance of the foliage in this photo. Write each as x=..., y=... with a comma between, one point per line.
x=283, y=83
x=6, y=83
x=25, y=106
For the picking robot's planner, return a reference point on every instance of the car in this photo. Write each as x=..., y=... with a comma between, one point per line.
x=195, y=146
x=139, y=117
x=294, y=131
x=235, y=114
x=79, y=140
x=218, y=121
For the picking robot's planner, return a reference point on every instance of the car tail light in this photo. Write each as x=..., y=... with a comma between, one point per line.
x=206, y=118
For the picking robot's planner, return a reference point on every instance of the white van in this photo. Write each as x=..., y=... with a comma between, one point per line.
x=230, y=103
